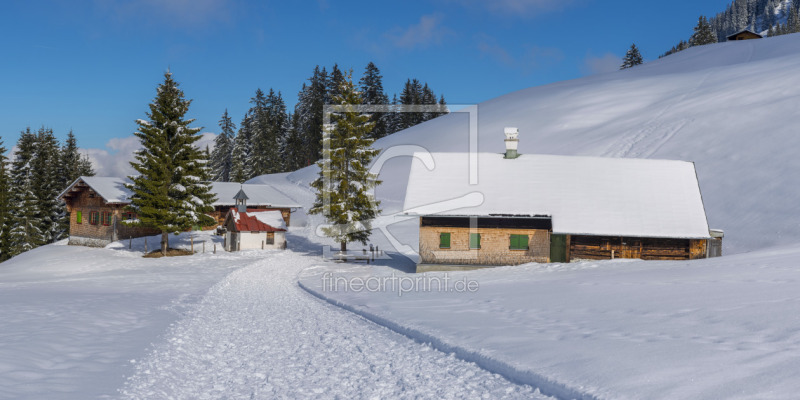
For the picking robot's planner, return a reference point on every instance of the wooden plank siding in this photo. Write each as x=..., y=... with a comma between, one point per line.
x=602, y=248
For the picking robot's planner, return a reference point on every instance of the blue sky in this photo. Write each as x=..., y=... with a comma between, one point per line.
x=92, y=66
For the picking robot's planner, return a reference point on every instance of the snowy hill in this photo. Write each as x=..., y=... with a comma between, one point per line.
x=729, y=107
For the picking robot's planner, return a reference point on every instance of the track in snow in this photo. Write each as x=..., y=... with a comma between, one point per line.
x=258, y=335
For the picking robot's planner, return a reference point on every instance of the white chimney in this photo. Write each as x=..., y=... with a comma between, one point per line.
x=512, y=141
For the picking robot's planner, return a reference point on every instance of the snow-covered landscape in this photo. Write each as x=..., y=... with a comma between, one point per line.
x=106, y=323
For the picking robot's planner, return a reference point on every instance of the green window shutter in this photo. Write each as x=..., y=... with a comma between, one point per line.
x=79, y=217
x=444, y=240
x=474, y=240
x=519, y=242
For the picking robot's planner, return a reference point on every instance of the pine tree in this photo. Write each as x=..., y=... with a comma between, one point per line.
x=632, y=58
x=171, y=192
x=372, y=94
x=310, y=104
x=344, y=181
x=24, y=233
x=5, y=206
x=46, y=184
x=703, y=34
x=221, y=158
x=241, y=166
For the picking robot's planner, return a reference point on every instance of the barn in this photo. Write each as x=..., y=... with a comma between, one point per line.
x=96, y=207
x=489, y=209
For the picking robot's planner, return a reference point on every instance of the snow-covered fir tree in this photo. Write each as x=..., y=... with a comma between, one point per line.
x=24, y=233
x=632, y=58
x=221, y=158
x=344, y=184
x=171, y=192
x=46, y=184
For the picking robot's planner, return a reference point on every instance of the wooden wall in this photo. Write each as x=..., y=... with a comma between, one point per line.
x=601, y=248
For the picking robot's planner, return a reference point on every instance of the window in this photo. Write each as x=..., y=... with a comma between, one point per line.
x=129, y=215
x=474, y=240
x=106, y=218
x=94, y=217
x=270, y=237
x=519, y=242
x=78, y=217
x=444, y=240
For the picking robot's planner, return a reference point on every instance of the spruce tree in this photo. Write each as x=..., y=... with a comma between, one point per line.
x=46, y=184
x=344, y=181
x=372, y=93
x=703, y=34
x=632, y=58
x=171, y=192
x=24, y=233
x=221, y=158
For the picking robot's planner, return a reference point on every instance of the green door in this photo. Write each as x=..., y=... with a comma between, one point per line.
x=558, y=248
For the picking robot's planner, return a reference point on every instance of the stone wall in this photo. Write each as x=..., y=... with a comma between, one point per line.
x=494, y=249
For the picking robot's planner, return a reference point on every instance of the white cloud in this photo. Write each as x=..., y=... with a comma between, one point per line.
x=598, y=65
x=517, y=7
x=427, y=31
x=115, y=158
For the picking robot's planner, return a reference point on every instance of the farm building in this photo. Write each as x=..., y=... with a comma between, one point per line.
x=96, y=207
x=744, y=35
x=260, y=197
x=512, y=209
x=253, y=228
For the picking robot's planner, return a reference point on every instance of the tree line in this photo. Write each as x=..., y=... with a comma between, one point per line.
x=269, y=139
x=30, y=213
x=754, y=15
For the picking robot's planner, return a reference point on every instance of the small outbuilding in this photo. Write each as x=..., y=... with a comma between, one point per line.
x=254, y=229
x=97, y=214
x=260, y=197
x=744, y=35
x=491, y=209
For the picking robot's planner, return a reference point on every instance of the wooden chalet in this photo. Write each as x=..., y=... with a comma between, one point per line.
x=96, y=207
x=260, y=197
x=543, y=208
x=253, y=228
x=744, y=35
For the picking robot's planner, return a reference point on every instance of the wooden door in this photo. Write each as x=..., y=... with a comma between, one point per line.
x=558, y=248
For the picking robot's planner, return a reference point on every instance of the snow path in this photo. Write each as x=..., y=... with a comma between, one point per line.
x=257, y=334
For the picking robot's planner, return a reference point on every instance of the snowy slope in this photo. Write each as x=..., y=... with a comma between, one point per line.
x=720, y=328
x=730, y=108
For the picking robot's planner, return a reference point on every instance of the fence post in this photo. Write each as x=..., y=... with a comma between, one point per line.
x=191, y=243
x=215, y=248
x=145, y=245
x=204, y=247
x=262, y=245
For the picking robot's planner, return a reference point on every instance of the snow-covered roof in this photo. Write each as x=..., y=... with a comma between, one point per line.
x=257, y=195
x=257, y=220
x=111, y=189
x=583, y=195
